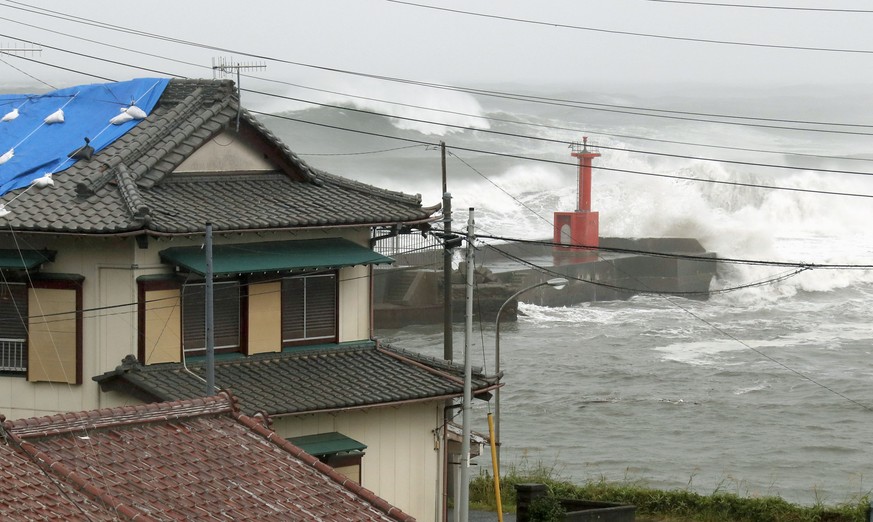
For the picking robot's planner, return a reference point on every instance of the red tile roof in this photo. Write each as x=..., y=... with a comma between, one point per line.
x=191, y=459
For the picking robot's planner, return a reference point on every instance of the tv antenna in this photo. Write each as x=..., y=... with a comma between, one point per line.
x=223, y=67
x=20, y=48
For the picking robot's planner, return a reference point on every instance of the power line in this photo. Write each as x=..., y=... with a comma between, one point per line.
x=632, y=33
x=50, y=86
x=538, y=100
x=666, y=295
x=516, y=156
x=549, y=140
x=566, y=163
x=689, y=257
x=520, y=123
x=484, y=92
x=771, y=7
x=360, y=153
x=646, y=291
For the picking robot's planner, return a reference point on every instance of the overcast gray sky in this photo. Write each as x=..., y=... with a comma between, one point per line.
x=386, y=38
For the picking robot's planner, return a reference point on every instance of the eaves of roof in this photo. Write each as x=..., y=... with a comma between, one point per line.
x=129, y=187
x=160, y=457
x=337, y=378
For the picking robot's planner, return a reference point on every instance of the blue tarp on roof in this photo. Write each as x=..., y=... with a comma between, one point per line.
x=40, y=148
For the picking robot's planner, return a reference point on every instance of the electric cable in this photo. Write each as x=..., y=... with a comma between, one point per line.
x=632, y=33
x=566, y=163
x=485, y=92
x=50, y=86
x=666, y=295
x=773, y=7
x=552, y=140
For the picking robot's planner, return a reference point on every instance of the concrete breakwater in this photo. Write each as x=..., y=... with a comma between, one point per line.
x=411, y=290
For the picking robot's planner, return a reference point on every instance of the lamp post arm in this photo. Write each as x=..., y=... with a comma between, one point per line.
x=497, y=360
x=513, y=296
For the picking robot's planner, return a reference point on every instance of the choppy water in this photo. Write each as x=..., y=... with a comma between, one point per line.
x=762, y=391
x=675, y=393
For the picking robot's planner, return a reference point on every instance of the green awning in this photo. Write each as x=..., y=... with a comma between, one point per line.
x=24, y=259
x=324, y=444
x=274, y=256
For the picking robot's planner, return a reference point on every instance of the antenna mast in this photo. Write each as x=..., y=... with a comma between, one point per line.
x=20, y=49
x=223, y=67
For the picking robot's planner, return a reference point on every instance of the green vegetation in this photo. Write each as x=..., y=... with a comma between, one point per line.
x=660, y=506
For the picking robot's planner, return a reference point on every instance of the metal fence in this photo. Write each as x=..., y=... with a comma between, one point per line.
x=13, y=355
x=413, y=250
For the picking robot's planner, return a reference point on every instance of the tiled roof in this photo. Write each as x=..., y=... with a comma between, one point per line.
x=185, y=460
x=325, y=379
x=30, y=494
x=128, y=187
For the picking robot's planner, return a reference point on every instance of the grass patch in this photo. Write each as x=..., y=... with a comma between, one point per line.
x=663, y=506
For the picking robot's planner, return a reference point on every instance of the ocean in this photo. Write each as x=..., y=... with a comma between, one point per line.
x=758, y=391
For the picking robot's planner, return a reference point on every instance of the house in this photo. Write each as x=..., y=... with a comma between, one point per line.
x=169, y=461
x=102, y=265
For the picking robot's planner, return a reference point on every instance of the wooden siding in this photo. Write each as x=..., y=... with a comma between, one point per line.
x=401, y=462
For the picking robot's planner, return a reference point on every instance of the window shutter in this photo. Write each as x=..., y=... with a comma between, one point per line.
x=53, y=335
x=13, y=311
x=13, y=327
x=309, y=305
x=225, y=312
x=321, y=307
x=293, y=309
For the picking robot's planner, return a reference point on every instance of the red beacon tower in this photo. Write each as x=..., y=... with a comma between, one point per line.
x=579, y=229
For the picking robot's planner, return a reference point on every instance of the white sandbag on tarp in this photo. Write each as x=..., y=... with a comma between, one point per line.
x=136, y=112
x=122, y=117
x=130, y=113
x=6, y=157
x=43, y=181
x=11, y=115
x=40, y=147
x=3, y=211
x=55, y=117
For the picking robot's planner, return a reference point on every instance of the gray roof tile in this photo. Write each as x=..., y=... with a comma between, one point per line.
x=294, y=382
x=129, y=186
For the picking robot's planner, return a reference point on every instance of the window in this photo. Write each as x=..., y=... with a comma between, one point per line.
x=13, y=327
x=309, y=309
x=41, y=328
x=226, y=317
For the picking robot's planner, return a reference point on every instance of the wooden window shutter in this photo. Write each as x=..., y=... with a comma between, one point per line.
x=55, y=337
x=163, y=325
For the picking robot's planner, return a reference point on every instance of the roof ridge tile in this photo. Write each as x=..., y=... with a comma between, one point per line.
x=131, y=195
x=119, y=416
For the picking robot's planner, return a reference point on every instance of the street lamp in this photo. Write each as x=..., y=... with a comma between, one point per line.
x=557, y=283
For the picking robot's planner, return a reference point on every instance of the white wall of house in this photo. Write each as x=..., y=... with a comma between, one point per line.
x=226, y=152
x=110, y=268
x=402, y=462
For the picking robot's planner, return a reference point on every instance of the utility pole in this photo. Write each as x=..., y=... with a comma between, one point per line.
x=447, y=263
x=468, y=377
x=210, y=326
